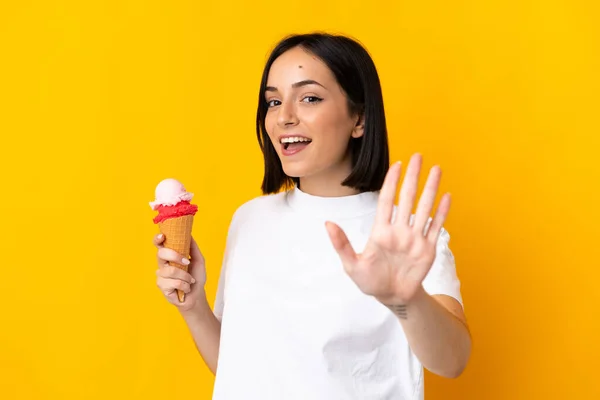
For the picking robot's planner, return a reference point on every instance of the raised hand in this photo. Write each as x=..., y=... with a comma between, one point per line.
x=399, y=253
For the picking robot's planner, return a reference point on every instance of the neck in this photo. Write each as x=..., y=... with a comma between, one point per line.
x=328, y=183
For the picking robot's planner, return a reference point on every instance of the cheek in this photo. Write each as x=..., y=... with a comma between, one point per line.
x=333, y=128
x=269, y=124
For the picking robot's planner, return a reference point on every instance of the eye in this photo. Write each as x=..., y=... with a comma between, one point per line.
x=311, y=99
x=273, y=103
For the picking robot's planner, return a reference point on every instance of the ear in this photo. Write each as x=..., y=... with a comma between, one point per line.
x=359, y=127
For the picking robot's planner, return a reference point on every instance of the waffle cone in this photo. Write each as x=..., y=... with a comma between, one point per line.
x=178, y=237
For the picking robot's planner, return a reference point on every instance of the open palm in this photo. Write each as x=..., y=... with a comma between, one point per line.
x=400, y=250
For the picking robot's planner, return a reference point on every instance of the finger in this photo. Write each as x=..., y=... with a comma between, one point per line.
x=427, y=200
x=158, y=240
x=168, y=286
x=174, y=299
x=161, y=263
x=439, y=219
x=172, y=256
x=342, y=245
x=385, y=206
x=164, y=286
x=408, y=191
x=170, y=272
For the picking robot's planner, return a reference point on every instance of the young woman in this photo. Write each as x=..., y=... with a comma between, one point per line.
x=327, y=289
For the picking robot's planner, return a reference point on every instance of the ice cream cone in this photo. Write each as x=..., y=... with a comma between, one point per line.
x=178, y=237
x=175, y=218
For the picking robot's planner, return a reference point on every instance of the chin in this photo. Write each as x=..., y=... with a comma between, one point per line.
x=295, y=170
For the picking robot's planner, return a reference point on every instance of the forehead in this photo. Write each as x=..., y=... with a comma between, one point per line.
x=297, y=64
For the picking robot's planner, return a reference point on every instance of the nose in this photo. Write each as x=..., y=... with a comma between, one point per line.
x=287, y=115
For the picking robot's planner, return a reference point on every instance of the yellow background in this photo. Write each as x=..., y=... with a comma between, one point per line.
x=101, y=100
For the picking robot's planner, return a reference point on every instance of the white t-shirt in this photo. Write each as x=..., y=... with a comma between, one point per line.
x=294, y=325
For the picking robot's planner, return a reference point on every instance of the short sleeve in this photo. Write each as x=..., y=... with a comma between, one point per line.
x=219, y=304
x=219, y=297
x=442, y=277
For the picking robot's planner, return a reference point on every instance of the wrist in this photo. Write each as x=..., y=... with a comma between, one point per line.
x=198, y=309
x=418, y=296
x=403, y=307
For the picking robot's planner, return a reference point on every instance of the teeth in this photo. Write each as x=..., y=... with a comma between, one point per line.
x=295, y=139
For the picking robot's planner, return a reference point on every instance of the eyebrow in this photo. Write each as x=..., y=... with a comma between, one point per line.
x=296, y=85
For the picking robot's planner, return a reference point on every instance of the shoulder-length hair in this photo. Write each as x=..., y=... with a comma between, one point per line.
x=356, y=74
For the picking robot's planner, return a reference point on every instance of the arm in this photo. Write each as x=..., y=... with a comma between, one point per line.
x=437, y=333
x=206, y=331
x=398, y=257
x=205, y=324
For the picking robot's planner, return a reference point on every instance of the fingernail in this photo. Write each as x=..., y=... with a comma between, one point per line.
x=160, y=236
x=185, y=261
x=193, y=280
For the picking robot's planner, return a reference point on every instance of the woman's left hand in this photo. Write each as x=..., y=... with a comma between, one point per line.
x=398, y=254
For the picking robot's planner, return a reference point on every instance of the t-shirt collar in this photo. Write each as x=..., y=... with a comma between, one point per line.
x=339, y=207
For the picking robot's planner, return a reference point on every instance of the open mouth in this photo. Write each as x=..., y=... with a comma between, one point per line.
x=295, y=143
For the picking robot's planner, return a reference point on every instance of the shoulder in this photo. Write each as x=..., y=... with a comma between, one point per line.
x=258, y=206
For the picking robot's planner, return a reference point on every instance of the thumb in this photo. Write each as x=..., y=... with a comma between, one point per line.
x=195, y=252
x=342, y=245
x=198, y=270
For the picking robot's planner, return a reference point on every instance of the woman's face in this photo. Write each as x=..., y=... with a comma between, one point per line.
x=308, y=120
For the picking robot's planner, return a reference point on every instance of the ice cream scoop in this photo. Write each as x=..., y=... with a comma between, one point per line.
x=169, y=192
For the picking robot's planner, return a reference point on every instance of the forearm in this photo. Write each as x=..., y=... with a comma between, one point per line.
x=206, y=332
x=438, y=338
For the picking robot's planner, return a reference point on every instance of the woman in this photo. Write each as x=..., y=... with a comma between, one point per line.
x=327, y=290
